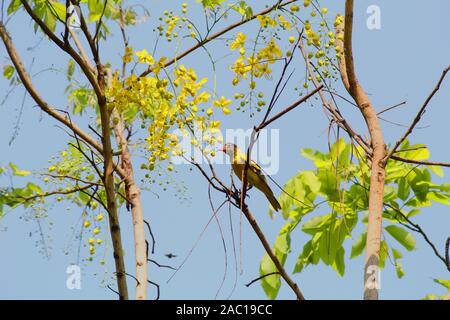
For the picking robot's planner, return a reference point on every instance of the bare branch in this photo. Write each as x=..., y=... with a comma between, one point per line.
x=290, y=108
x=160, y=265
x=151, y=235
x=392, y=107
x=421, y=162
x=64, y=47
x=419, y=114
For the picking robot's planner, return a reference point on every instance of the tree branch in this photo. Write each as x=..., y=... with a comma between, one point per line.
x=220, y=33
x=417, y=228
x=419, y=114
x=26, y=80
x=421, y=162
x=86, y=69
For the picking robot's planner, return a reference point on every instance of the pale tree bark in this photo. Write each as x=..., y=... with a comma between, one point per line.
x=377, y=176
x=133, y=195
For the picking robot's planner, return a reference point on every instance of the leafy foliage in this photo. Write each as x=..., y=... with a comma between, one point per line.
x=339, y=184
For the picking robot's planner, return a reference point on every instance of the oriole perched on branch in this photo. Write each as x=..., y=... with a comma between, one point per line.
x=255, y=177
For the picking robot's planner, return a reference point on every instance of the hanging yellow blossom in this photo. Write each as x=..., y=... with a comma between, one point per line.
x=222, y=102
x=239, y=42
x=145, y=57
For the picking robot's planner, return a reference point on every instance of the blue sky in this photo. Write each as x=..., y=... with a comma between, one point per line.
x=402, y=61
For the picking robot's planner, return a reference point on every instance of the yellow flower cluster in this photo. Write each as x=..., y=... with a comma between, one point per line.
x=184, y=114
x=257, y=66
x=180, y=107
x=266, y=21
x=91, y=241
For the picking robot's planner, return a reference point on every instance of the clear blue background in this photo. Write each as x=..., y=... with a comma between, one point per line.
x=402, y=61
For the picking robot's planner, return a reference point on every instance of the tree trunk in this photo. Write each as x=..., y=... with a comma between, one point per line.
x=377, y=176
x=133, y=194
x=108, y=178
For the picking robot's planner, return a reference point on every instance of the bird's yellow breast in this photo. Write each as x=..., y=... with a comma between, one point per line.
x=252, y=177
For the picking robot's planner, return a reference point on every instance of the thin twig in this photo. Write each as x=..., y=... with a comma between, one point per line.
x=151, y=235
x=291, y=107
x=393, y=107
x=417, y=228
x=260, y=278
x=419, y=114
x=161, y=265
x=220, y=33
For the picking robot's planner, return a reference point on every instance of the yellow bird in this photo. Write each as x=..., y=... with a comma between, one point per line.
x=255, y=177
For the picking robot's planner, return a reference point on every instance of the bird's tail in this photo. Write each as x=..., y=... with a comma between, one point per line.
x=269, y=195
x=273, y=201
x=264, y=187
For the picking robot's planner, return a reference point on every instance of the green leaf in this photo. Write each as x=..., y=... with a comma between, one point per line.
x=399, y=270
x=439, y=197
x=384, y=250
x=358, y=245
x=242, y=8
x=8, y=71
x=328, y=184
x=339, y=262
x=270, y=284
x=396, y=254
x=437, y=170
x=70, y=69
x=420, y=153
x=34, y=188
x=311, y=180
x=398, y=266
x=338, y=232
x=444, y=283
x=95, y=10
x=390, y=193
x=304, y=258
x=413, y=212
x=210, y=4
x=336, y=149
x=283, y=243
x=324, y=248
x=50, y=19
x=13, y=6
x=319, y=159
x=316, y=224
x=403, y=189
x=416, y=180
x=402, y=236
x=58, y=9
x=17, y=172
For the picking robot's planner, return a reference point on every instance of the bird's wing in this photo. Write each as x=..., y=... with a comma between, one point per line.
x=241, y=158
x=257, y=169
